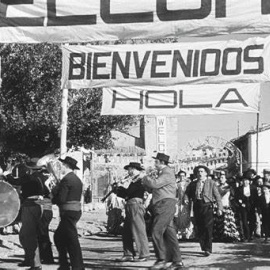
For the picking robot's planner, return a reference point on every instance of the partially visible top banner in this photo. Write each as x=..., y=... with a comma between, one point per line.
x=166, y=63
x=181, y=99
x=27, y=21
x=0, y=72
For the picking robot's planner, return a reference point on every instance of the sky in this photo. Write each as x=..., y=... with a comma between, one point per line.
x=193, y=128
x=229, y=126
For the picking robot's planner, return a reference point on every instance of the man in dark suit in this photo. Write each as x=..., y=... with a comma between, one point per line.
x=67, y=195
x=247, y=199
x=203, y=192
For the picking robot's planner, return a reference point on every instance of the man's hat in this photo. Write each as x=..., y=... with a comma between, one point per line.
x=71, y=162
x=266, y=185
x=162, y=157
x=32, y=164
x=181, y=171
x=135, y=165
x=266, y=170
x=196, y=169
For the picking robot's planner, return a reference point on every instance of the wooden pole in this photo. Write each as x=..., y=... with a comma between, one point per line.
x=64, y=118
x=257, y=142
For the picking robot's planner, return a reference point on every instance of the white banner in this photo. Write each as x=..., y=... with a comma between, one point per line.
x=26, y=21
x=181, y=99
x=166, y=64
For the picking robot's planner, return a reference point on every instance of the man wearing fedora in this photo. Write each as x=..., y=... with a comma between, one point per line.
x=134, y=224
x=67, y=195
x=164, y=201
x=203, y=192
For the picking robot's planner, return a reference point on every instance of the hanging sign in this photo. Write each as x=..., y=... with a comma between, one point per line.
x=161, y=134
x=27, y=21
x=181, y=99
x=166, y=63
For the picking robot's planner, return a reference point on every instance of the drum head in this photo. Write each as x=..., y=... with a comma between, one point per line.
x=9, y=204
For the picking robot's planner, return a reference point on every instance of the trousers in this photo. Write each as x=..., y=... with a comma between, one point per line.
x=164, y=237
x=204, y=221
x=67, y=242
x=30, y=217
x=45, y=245
x=134, y=228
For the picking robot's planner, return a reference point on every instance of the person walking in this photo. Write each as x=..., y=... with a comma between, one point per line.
x=183, y=222
x=247, y=198
x=164, y=201
x=32, y=191
x=225, y=226
x=67, y=195
x=134, y=223
x=45, y=245
x=264, y=206
x=204, y=192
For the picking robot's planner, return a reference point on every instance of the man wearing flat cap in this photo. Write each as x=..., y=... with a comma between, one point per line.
x=164, y=201
x=67, y=195
x=134, y=224
x=32, y=191
x=203, y=192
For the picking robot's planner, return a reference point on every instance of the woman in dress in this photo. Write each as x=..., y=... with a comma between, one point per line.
x=183, y=223
x=225, y=228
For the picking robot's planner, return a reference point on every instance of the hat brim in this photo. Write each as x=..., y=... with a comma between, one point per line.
x=34, y=167
x=73, y=166
x=161, y=159
x=128, y=166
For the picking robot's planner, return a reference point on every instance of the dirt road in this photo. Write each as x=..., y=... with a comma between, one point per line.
x=101, y=250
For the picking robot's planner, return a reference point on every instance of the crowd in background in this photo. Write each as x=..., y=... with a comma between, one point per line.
x=246, y=207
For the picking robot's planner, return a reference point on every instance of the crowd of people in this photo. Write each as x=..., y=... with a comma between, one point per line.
x=166, y=206
x=244, y=202
x=202, y=207
x=38, y=192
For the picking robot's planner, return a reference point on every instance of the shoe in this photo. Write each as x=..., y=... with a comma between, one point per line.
x=159, y=265
x=47, y=262
x=24, y=264
x=63, y=268
x=141, y=259
x=35, y=268
x=176, y=266
x=207, y=253
x=126, y=259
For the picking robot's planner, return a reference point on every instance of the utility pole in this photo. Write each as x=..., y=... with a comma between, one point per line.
x=257, y=142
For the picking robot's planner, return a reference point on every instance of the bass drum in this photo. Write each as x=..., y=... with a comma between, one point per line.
x=9, y=204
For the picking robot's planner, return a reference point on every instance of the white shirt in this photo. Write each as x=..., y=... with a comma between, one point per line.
x=247, y=191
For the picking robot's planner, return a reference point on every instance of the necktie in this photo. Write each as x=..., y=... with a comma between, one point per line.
x=199, y=190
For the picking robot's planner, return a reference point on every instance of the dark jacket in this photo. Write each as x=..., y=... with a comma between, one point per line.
x=134, y=190
x=69, y=189
x=209, y=193
x=249, y=202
